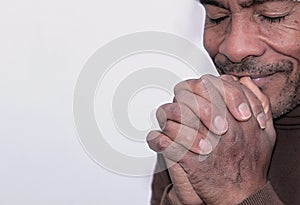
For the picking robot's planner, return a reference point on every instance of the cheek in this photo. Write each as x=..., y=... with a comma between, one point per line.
x=287, y=44
x=212, y=41
x=209, y=45
x=284, y=38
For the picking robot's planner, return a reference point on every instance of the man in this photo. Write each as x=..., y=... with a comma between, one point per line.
x=218, y=136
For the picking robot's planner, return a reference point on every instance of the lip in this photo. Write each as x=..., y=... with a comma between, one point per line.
x=260, y=80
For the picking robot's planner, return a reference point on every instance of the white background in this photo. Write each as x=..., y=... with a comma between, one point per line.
x=44, y=44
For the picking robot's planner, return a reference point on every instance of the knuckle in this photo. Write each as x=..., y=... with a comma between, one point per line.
x=182, y=95
x=181, y=86
x=152, y=135
x=233, y=93
x=164, y=107
x=199, y=84
x=227, y=77
x=162, y=143
x=175, y=111
x=208, y=77
x=208, y=85
x=170, y=127
x=157, y=141
x=189, y=99
x=185, y=85
x=206, y=112
x=192, y=85
x=209, y=80
x=169, y=111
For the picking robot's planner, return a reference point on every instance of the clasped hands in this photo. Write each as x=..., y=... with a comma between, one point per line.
x=217, y=138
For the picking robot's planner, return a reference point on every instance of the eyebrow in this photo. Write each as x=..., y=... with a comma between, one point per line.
x=244, y=4
x=213, y=3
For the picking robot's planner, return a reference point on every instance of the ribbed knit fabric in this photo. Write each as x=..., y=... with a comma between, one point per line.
x=265, y=196
x=165, y=199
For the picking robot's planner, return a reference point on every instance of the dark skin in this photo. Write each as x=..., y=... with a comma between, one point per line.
x=232, y=165
x=253, y=42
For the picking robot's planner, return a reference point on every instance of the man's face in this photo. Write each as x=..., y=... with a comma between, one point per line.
x=260, y=39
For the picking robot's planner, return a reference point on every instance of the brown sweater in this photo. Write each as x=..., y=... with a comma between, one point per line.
x=284, y=173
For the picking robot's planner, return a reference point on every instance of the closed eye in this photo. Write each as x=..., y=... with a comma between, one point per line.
x=217, y=20
x=276, y=19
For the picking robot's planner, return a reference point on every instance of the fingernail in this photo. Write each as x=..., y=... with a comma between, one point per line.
x=220, y=124
x=244, y=111
x=261, y=118
x=205, y=147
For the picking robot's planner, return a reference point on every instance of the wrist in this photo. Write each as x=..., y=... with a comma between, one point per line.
x=172, y=196
x=236, y=195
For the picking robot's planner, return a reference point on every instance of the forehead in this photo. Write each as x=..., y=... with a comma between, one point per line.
x=242, y=3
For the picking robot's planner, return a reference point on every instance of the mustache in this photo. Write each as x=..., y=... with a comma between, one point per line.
x=252, y=66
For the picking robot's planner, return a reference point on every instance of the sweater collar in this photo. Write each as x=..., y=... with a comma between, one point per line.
x=289, y=120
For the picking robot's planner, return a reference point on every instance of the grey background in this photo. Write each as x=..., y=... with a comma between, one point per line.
x=43, y=46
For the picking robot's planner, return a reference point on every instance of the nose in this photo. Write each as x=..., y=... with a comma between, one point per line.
x=242, y=40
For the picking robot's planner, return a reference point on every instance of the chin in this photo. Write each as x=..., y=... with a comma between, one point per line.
x=281, y=108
